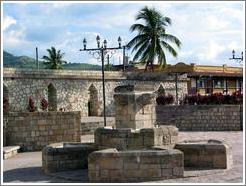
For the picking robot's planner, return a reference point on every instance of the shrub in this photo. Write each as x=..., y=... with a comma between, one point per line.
x=31, y=104
x=216, y=98
x=44, y=104
x=5, y=105
x=165, y=100
x=237, y=97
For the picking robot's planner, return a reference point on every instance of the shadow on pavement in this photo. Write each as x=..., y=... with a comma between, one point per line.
x=36, y=174
x=30, y=174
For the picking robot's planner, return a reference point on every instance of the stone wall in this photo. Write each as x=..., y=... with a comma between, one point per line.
x=90, y=124
x=111, y=165
x=201, y=117
x=72, y=90
x=34, y=130
x=66, y=156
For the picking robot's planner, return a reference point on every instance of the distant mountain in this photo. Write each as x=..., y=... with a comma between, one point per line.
x=11, y=61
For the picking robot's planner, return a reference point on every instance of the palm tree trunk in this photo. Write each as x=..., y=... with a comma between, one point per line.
x=146, y=66
x=152, y=66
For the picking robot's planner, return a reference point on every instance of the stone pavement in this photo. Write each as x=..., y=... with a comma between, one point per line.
x=26, y=167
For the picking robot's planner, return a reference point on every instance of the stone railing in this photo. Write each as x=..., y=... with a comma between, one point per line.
x=89, y=74
x=201, y=117
x=34, y=130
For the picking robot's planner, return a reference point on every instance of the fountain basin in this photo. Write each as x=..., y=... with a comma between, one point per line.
x=66, y=156
x=206, y=154
x=131, y=139
x=111, y=165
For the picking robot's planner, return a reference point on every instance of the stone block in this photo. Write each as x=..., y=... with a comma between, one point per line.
x=178, y=171
x=206, y=154
x=138, y=165
x=10, y=151
x=111, y=163
x=131, y=166
x=67, y=156
x=166, y=173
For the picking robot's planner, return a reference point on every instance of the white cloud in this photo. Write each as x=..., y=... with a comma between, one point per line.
x=185, y=53
x=234, y=45
x=211, y=51
x=61, y=5
x=215, y=23
x=7, y=21
x=13, y=38
x=234, y=13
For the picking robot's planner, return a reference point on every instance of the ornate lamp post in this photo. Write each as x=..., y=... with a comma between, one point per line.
x=99, y=53
x=240, y=59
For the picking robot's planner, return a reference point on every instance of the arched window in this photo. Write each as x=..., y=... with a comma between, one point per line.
x=160, y=90
x=52, y=98
x=93, y=101
x=5, y=99
x=5, y=92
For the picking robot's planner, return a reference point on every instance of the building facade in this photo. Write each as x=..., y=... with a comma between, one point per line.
x=205, y=79
x=215, y=79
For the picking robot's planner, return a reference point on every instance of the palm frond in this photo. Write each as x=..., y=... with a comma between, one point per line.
x=141, y=50
x=169, y=48
x=171, y=38
x=135, y=40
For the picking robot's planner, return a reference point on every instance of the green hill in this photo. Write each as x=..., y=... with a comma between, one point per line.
x=11, y=61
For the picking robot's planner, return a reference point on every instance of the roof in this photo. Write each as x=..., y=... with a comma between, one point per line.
x=218, y=74
x=205, y=70
x=200, y=70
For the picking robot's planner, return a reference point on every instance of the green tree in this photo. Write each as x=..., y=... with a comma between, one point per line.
x=54, y=59
x=152, y=41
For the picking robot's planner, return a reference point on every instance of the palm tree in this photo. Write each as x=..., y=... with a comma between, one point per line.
x=152, y=40
x=54, y=59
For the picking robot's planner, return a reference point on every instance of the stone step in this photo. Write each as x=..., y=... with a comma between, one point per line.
x=10, y=151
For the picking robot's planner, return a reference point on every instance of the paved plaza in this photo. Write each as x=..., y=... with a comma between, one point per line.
x=26, y=167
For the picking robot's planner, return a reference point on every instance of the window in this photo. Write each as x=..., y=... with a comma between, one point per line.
x=200, y=83
x=218, y=84
x=93, y=103
x=52, y=98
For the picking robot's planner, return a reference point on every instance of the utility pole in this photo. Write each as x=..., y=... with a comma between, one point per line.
x=37, y=58
x=108, y=61
x=176, y=87
x=124, y=58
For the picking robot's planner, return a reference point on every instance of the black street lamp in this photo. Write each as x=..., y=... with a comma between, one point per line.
x=240, y=59
x=99, y=53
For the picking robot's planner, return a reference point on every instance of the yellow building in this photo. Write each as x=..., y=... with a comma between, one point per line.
x=205, y=79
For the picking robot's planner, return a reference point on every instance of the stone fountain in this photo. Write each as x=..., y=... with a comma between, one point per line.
x=136, y=150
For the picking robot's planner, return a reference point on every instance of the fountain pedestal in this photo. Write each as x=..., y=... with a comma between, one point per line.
x=134, y=108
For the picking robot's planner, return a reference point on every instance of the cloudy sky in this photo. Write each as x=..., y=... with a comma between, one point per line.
x=208, y=31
